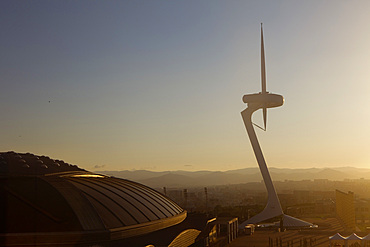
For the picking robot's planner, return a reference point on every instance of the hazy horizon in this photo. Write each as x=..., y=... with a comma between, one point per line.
x=225, y=170
x=158, y=84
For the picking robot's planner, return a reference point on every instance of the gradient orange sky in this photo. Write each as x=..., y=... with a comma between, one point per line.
x=157, y=85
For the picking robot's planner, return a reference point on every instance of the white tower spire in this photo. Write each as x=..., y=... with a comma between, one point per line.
x=264, y=100
x=255, y=102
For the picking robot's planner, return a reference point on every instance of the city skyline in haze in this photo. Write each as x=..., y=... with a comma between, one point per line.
x=158, y=85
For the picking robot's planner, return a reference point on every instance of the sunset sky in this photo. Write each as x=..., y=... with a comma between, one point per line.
x=157, y=85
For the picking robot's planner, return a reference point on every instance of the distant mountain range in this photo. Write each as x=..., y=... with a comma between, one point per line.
x=180, y=179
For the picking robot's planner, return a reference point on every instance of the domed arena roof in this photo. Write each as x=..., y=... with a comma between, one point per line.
x=47, y=202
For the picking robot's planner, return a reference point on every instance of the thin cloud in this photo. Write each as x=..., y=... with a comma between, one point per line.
x=99, y=166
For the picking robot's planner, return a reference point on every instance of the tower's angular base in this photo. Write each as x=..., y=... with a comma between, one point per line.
x=286, y=221
x=291, y=222
x=272, y=210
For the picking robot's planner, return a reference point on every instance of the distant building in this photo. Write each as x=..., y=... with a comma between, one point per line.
x=302, y=196
x=362, y=211
x=345, y=208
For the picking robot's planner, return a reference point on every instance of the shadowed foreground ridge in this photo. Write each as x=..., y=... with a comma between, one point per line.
x=46, y=201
